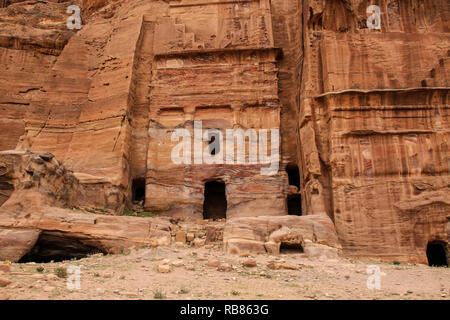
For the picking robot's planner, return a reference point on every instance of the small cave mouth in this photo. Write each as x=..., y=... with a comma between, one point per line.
x=293, y=175
x=138, y=189
x=215, y=203
x=294, y=204
x=290, y=248
x=57, y=248
x=436, y=254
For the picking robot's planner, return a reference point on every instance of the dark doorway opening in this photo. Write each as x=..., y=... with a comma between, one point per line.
x=57, y=247
x=293, y=175
x=138, y=189
x=215, y=203
x=288, y=247
x=294, y=204
x=436, y=254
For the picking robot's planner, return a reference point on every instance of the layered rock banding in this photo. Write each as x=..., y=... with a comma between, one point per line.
x=362, y=116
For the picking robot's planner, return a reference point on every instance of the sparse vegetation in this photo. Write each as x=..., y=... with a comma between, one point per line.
x=158, y=295
x=235, y=293
x=183, y=290
x=40, y=269
x=61, y=272
x=131, y=213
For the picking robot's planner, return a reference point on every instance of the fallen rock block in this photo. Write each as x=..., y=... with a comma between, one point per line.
x=4, y=282
x=5, y=268
x=225, y=267
x=163, y=268
x=249, y=263
x=213, y=263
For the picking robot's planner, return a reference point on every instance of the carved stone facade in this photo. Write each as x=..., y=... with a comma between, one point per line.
x=362, y=114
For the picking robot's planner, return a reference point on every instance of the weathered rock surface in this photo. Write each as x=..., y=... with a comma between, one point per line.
x=362, y=113
x=269, y=234
x=43, y=211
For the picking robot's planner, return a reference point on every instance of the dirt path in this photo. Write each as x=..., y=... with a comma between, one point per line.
x=135, y=275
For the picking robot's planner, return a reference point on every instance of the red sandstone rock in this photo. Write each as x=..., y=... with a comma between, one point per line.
x=363, y=113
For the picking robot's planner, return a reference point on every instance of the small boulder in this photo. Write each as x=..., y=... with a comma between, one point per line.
x=249, y=263
x=163, y=268
x=213, y=263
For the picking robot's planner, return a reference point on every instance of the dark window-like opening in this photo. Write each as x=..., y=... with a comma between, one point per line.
x=57, y=247
x=138, y=189
x=294, y=204
x=293, y=175
x=215, y=203
x=288, y=247
x=436, y=254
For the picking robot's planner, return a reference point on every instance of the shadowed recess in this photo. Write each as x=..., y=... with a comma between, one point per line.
x=57, y=248
x=215, y=203
x=437, y=255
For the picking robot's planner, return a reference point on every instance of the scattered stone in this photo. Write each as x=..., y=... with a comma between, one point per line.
x=274, y=265
x=199, y=242
x=190, y=237
x=108, y=275
x=165, y=261
x=163, y=268
x=129, y=294
x=180, y=236
x=4, y=282
x=179, y=244
x=288, y=266
x=213, y=263
x=190, y=268
x=249, y=263
x=5, y=268
x=178, y=263
x=225, y=267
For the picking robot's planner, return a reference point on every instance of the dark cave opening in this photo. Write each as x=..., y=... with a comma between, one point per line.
x=289, y=248
x=138, y=189
x=294, y=204
x=57, y=247
x=293, y=175
x=436, y=254
x=215, y=203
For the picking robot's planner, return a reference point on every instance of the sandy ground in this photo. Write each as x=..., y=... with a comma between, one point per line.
x=134, y=275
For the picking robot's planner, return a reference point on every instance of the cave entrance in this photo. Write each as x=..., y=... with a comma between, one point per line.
x=290, y=248
x=138, y=189
x=436, y=254
x=57, y=247
x=294, y=199
x=215, y=203
x=294, y=204
x=293, y=175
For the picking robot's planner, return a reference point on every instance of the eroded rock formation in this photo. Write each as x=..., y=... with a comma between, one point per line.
x=362, y=115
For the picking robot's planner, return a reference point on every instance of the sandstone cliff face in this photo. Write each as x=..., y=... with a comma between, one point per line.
x=363, y=113
x=376, y=105
x=41, y=216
